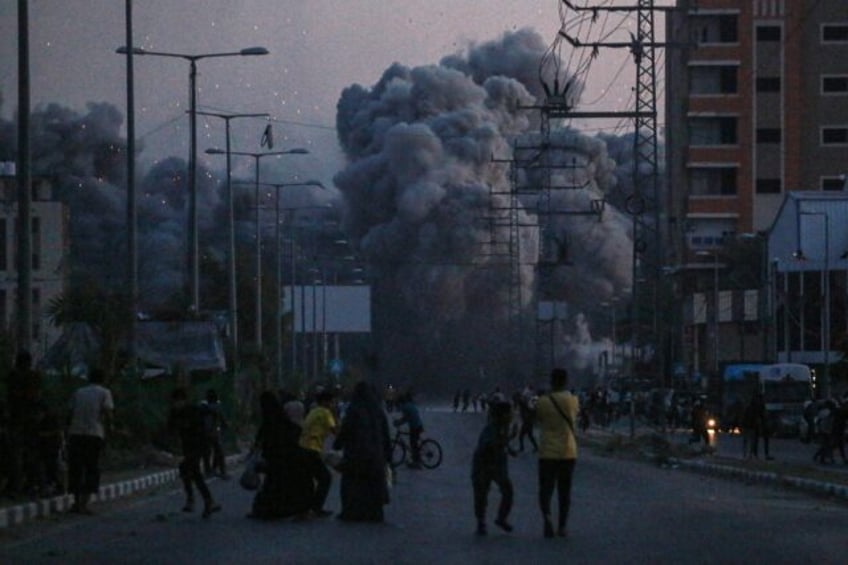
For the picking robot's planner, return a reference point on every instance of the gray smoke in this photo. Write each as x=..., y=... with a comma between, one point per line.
x=426, y=205
x=84, y=156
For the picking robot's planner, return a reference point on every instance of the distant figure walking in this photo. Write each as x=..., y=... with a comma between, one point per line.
x=527, y=410
x=556, y=413
x=366, y=449
x=214, y=424
x=91, y=409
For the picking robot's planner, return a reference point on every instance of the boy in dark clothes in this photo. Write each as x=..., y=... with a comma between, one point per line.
x=490, y=465
x=187, y=420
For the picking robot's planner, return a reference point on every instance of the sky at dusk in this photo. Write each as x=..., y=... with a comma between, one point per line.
x=317, y=48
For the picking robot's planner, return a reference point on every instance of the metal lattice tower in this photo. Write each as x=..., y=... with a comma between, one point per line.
x=644, y=204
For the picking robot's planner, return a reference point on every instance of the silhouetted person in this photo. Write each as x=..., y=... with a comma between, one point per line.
x=490, y=465
x=187, y=420
x=91, y=410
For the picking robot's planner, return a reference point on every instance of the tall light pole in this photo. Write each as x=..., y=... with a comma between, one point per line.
x=714, y=320
x=278, y=325
x=231, y=252
x=193, y=253
x=824, y=324
x=132, y=214
x=302, y=316
x=256, y=184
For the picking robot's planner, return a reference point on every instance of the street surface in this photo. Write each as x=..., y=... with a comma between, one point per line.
x=622, y=512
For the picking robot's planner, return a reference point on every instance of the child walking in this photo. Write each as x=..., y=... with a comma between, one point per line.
x=490, y=465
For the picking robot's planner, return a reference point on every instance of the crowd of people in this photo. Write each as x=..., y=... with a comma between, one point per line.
x=304, y=442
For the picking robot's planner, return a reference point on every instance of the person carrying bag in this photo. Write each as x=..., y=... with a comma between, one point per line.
x=556, y=413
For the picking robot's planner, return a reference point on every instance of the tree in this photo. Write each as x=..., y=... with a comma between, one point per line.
x=107, y=313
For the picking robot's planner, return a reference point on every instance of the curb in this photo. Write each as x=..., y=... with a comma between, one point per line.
x=807, y=485
x=28, y=511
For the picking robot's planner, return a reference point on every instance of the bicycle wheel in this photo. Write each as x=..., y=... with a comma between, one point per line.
x=398, y=454
x=431, y=453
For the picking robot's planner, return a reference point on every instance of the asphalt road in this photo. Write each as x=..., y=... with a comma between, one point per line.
x=623, y=512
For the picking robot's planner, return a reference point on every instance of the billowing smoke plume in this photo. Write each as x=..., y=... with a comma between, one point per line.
x=84, y=156
x=427, y=190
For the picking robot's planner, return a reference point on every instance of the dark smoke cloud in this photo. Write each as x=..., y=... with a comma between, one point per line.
x=425, y=200
x=84, y=156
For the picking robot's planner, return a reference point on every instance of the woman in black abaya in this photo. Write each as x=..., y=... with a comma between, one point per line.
x=287, y=488
x=364, y=441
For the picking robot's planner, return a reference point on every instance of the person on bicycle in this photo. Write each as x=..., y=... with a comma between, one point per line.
x=412, y=418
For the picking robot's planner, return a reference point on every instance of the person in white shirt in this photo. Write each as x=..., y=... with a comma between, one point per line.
x=91, y=410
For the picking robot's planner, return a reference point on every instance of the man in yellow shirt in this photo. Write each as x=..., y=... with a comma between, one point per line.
x=318, y=425
x=556, y=413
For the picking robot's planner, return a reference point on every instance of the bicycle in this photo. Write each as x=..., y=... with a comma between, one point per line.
x=430, y=449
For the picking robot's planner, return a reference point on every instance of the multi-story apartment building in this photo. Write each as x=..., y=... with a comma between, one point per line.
x=50, y=242
x=756, y=106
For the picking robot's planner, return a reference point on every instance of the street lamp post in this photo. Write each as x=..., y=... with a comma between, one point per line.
x=824, y=324
x=193, y=254
x=231, y=258
x=256, y=183
x=279, y=280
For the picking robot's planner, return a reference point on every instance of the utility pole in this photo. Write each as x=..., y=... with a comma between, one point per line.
x=24, y=247
x=644, y=204
x=132, y=214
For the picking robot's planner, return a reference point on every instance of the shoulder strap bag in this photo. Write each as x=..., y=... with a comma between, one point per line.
x=562, y=413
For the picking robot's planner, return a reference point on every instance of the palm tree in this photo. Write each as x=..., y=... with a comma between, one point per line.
x=107, y=313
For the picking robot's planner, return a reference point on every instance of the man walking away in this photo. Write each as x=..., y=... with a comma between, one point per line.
x=91, y=411
x=187, y=420
x=556, y=413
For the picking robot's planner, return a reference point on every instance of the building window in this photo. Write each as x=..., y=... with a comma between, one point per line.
x=768, y=33
x=768, y=135
x=721, y=28
x=713, y=79
x=768, y=186
x=712, y=181
x=768, y=84
x=712, y=131
x=834, y=33
x=834, y=135
x=834, y=84
x=833, y=183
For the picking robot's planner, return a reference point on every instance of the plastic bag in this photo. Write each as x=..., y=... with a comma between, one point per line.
x=250, y=478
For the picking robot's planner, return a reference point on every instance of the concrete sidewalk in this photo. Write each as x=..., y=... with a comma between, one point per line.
x=791, y=467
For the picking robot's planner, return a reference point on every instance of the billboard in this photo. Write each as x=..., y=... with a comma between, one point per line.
x=330, y=309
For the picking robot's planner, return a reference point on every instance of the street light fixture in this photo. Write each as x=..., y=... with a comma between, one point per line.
x=193, y=254
x=231, y=259
x=256, y=158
